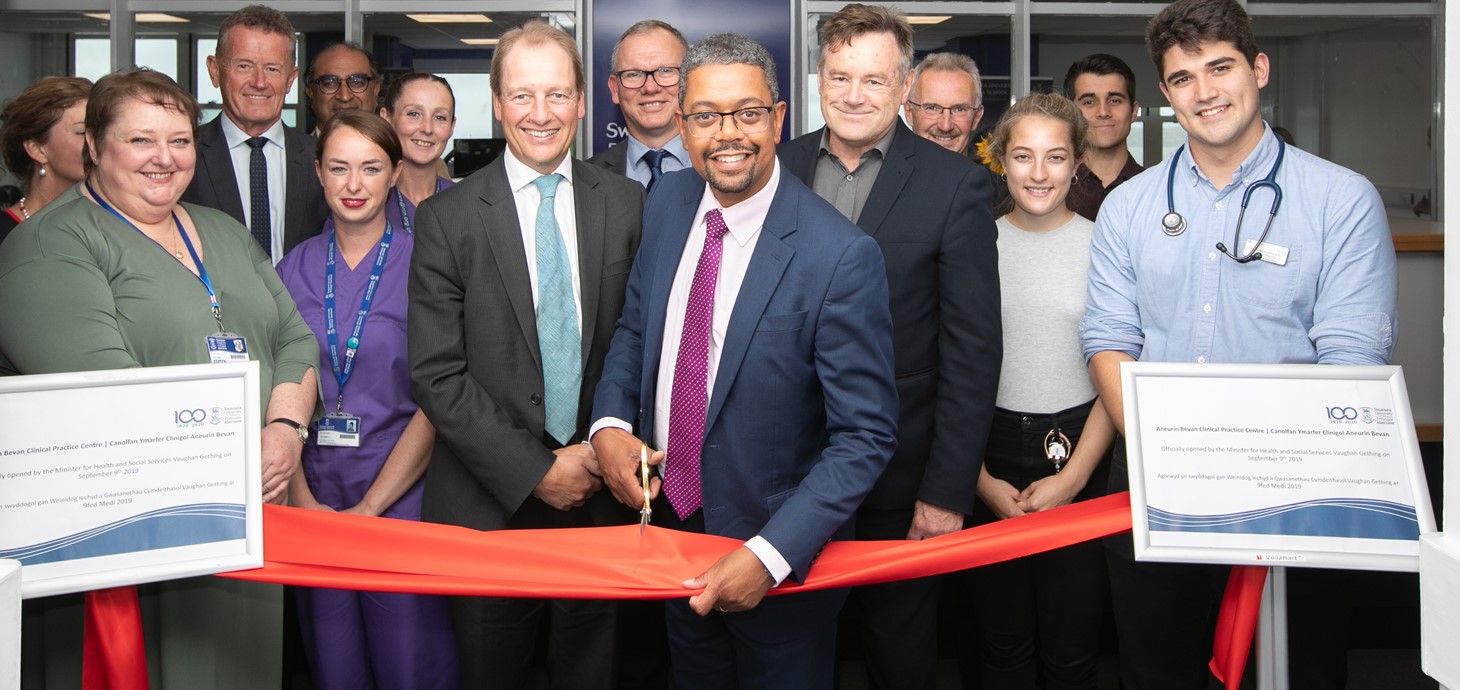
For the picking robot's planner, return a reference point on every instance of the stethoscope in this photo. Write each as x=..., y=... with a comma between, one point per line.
x=1174, y=224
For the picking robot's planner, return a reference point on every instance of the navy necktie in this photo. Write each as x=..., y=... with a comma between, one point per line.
x=655, y=159
x=258, y=194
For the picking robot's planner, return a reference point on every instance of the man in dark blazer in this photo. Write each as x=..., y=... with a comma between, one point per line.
x=775, y=426
x=928, y=210
x=253, y=66
x=643, y=80
x=483, y=353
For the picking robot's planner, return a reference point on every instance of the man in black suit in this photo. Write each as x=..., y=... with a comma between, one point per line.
x=643, y=80
x=250, y=164
x=517, y=278
x=928, y=210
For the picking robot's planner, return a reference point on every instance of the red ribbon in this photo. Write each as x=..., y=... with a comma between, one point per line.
x=322, y=549
x=112, y=656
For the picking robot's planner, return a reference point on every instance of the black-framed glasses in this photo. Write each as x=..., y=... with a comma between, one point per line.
x=635, y=78
x=959, y=112
x=748, y=120
x=329, y=83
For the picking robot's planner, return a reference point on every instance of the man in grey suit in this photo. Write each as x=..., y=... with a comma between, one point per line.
x=643, y=80
x=250, y=164
x=517, y=279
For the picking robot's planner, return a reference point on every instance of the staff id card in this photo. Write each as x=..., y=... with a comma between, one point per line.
x=225, y=347
x=338, y=430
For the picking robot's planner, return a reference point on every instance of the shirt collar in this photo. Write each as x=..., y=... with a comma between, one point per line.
x=746, y=218
x=1253, y=168
x=235, y=137
x=673, y=147
x=880, y=147
x=519, y=175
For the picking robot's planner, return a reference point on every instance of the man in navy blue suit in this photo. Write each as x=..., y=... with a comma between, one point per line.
x=755, y=348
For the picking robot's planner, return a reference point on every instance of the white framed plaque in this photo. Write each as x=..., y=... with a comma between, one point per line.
x=111, y=478
x=1279, y=465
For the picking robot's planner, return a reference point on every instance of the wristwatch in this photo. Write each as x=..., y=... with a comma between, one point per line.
x=296, y=426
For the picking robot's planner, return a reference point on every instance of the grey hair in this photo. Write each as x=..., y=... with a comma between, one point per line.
x=643, y=27
x=951, y=62
x=729, y=49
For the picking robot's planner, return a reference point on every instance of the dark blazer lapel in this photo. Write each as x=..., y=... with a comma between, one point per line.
x=896, y=169
x=297, y=164
x=504, y=233
x=219, y=165
x=591, y=209
x=676, y=229
x=767, y=265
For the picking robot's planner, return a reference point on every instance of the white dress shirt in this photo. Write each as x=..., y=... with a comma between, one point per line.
x=744, y=221
x=274, y=158
x=527, y=198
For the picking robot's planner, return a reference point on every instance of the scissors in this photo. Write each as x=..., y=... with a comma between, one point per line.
x=647, y=510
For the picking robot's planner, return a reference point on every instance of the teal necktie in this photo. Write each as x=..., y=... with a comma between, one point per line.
x=557, y=320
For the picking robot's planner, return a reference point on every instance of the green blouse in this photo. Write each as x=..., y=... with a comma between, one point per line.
x=80, y=290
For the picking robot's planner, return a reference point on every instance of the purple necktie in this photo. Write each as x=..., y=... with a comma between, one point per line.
x=688, y=399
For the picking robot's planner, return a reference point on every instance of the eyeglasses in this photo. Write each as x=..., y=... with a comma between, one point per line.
x=747, y=120
x=635, y=78
x=330, y=83
x=959, y=112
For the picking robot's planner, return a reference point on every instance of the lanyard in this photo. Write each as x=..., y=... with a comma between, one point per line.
x=197, y=262
x=406, y=221
x=342, y=372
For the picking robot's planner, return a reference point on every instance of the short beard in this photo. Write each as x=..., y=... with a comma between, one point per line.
x=728, y=186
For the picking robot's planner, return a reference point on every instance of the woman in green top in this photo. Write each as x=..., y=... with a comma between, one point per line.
x=115, y=273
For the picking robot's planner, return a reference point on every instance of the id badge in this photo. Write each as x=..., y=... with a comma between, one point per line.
x=1271, y=253
x=338, y=430
x=227, y=347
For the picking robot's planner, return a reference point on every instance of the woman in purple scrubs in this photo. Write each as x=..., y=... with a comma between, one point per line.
x=367, y=455
x=422, y=109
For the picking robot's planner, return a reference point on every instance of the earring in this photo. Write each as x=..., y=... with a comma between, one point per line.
x=42, y=172
x=1074, y=180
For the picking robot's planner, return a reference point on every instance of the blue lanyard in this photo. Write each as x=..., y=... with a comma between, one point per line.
x=202, y=272
x=342, y=373
x=406, y=221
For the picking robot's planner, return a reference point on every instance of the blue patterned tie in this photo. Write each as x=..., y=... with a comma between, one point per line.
x=258, y=194
x=655, y=159
x=557, y=319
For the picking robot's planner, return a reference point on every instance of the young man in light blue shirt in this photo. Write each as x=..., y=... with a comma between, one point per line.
x=1173, y=278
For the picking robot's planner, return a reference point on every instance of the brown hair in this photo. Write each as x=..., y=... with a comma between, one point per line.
x=856, y=20
x=398, y=84
x=1050, y=105
x=534, y=33
x=371, y=126
x=139, y=84
x=257, y=18
x=1190, y=23
x=30, y=117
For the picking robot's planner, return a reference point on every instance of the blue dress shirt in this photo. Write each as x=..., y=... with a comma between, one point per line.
x=1179, y=299
x=637, y=170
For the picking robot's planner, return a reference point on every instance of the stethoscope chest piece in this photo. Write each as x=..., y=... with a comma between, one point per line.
x=1173, y=224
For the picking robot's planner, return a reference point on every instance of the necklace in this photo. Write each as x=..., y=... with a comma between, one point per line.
x=24, y=212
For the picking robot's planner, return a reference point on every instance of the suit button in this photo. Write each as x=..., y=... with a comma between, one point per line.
x=536, y=399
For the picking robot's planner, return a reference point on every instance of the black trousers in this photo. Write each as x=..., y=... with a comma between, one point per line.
x=1038, y=616
x=1166, y=613
x=496, y=637
x=898, y=620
